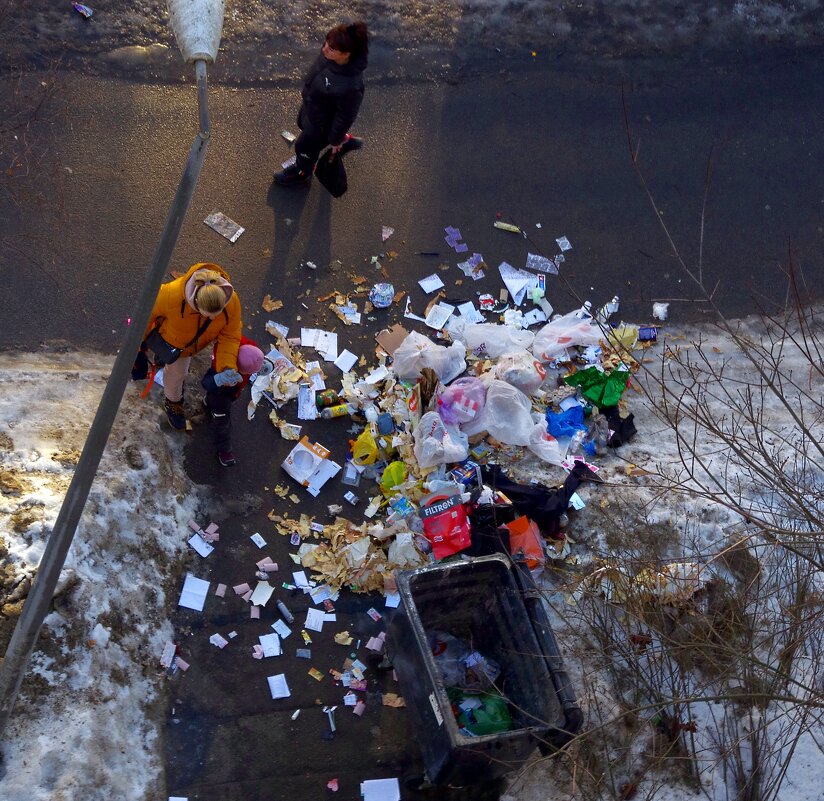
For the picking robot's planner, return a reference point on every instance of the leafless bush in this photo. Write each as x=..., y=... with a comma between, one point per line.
x=718, y=686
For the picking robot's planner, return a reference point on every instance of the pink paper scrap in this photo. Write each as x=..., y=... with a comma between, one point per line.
x=254, y=612
x=270, y=568
x=182, y=664
x=247, y=595
x=212, y=528
x=194, y=526
x=267, y=560
x=241, y=589
x=332, y=785
x=359, y=708
x=221, y=590
x=375, y=644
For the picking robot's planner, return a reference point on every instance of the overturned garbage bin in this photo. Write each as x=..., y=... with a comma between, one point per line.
x=491, y=604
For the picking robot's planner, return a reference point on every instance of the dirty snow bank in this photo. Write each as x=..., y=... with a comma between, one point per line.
x=84, y=725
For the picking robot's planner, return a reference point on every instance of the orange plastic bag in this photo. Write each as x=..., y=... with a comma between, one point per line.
x=525, y=538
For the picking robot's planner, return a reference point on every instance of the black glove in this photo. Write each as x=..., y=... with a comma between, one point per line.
x=140, y=368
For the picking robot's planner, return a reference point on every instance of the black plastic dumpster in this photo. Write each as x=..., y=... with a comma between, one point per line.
x=492, y=604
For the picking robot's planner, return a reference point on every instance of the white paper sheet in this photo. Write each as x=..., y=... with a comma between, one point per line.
x=381, y=790
x=262, y=593
x=300, y=580
x=258, y=540
x=278, y=686
x=315, y=376
x=193, y=595
x=270, y=644
x=307, y=408
x=282, y=629
x=200, y=545
x=432, y=283
x=471, y=314
x=438, y=315
x=516, y=281
x=314, y=619
x=393, y=599
x=346, y=361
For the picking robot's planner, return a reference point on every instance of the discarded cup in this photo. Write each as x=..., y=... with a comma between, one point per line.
x=381, y=295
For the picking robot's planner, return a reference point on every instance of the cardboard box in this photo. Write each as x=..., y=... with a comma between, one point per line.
x=309, y=464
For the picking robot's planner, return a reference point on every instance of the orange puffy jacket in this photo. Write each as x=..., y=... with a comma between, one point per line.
x=179, y=322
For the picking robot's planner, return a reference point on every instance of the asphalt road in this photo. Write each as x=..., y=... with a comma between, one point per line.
x=542, y=147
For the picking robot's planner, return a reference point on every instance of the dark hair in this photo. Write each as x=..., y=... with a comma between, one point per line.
x=352, y=38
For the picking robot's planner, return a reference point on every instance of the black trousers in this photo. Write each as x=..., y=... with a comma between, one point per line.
x=307, y=150
x=220, y=413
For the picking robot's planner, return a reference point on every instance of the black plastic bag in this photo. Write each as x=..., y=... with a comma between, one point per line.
x=541, y=504
x=331, y=173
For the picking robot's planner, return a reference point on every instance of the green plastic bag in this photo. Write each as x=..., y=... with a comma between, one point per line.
x=491, y=717
x=598, y=387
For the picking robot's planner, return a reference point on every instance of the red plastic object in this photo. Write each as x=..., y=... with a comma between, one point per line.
x=445, y=524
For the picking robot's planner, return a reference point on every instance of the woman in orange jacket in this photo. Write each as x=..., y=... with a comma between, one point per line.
x=190, y=313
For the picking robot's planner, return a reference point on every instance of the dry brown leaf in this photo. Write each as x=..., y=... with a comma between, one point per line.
x=270, y=305
x=393, y=700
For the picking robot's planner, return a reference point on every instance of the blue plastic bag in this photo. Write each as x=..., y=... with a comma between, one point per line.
x=565, y=424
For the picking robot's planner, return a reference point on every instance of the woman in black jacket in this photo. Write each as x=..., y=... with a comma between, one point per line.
x=332, y=94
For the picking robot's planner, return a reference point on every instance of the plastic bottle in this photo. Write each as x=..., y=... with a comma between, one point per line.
x=607, y=310
x=601, y=434
x=576, y=443
x=284, y=611
x=585, y=312
x=335, y=411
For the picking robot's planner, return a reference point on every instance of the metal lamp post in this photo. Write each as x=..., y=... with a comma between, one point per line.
x=197, y=25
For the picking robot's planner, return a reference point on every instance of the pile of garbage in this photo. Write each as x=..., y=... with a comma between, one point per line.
x=433, y=423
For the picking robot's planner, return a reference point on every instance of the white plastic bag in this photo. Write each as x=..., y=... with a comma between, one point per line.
x=403, y=553
x=436, y=443
x=506, y=415
x=520, y=368
x=488, y=340
x=552, y=341
x=544, y=445
x=417, y=351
